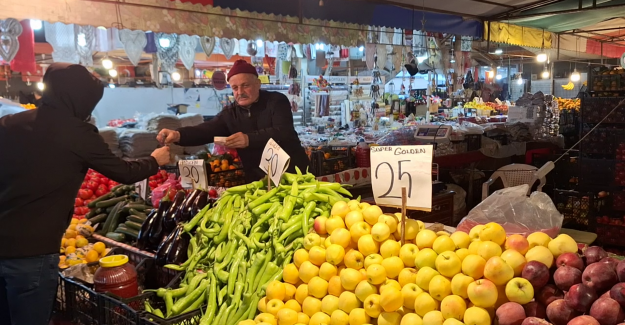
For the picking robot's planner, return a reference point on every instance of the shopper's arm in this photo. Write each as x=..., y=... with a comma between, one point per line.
x=204, y=133
x=282, y=125
x=97, y=156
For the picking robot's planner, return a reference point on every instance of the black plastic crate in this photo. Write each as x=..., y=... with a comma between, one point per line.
x=577, y=208
x=474, y=141
x=596, y=171
x=60, y=309
x=190, y=318
x=82, y=303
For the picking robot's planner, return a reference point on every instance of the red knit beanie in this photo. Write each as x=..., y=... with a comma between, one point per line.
x=241, y=66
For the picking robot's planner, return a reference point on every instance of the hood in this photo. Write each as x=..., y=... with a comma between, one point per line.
x=72, y=89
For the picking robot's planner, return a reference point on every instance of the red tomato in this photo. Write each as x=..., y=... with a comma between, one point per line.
x=83, y=185
x=85, y=194
x=153, y=183
x=80, y=217
x=113, y=183
x=78, y=202
x=212, y=193
x=101, y=190
x=104, y=180
x=78, y=210
x=92, y=185
x=86, y=202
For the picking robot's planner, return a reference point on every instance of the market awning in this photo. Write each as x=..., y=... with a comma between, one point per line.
x=360, y=12
x=185, y=18
x=516, y=35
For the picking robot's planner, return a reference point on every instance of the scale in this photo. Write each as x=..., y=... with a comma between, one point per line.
x=430, y=133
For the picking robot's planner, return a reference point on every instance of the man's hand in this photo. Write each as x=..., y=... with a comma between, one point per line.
x=238, y=140
x=162, y=155
x=166, y=136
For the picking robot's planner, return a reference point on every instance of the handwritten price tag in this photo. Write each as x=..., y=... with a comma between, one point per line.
x=193, y=173
x=276, y=159
x=141, y=187
x=394, y=167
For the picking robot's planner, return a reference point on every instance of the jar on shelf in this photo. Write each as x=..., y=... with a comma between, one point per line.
x=116, y=276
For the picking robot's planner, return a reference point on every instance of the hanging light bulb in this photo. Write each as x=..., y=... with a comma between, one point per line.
x=107, y=63
x=453, y=60
x=259, y=43
x=41, y=86
x=545, y=73
x=491, y=74
x=36, y=24
x=541, y=57
x=113, y=73
x=112, y=86
x=519, y=80
x=575, y=76
x=164, y=42
x=499, y=51
x=175, y=76
x=498, y=77
x=361, y=48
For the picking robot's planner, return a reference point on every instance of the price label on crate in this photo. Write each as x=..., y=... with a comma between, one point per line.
x=141, y=187
x=394, y=167
x=193, y=173
x=274, y=161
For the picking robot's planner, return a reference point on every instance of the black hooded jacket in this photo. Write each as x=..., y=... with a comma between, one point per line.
x=268, y=118
x=44, y=156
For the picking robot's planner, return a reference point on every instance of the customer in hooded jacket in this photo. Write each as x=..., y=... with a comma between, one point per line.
x=255, y=117
x=44, y=156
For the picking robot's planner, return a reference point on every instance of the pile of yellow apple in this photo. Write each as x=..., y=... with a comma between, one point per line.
x=353, y=270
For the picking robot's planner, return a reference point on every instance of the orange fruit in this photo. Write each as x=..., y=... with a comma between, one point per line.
x=74, y=221
x=70, y=233
x=70, y=250
x=99, y=247
x=70, y=242
x=72, y=226
x=81, y=242
x=63, y=242
x=92, y=256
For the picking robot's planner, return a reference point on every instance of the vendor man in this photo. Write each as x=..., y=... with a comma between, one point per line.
x=255, y=117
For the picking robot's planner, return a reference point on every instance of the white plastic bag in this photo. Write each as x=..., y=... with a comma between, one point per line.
x=517, y=213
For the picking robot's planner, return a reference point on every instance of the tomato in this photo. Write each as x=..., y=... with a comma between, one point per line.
x=86, y=202
x=104, y=180
x=92, y=185
x=78, y=210
x=113, y=183
x=153, y=183
x=85, y=194
x=101, y=190
x=212, y=192
x=78, y=202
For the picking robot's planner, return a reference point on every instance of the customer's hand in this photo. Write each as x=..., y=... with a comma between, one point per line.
x=162, y=155
x=237, y=140
x=166, y=136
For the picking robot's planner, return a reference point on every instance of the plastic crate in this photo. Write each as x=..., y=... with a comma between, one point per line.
x=596, y=172
x=226, y=178
x=190, y=318
x=82, y=303
x=474, y=141
x=577, y=208
x=60, y=309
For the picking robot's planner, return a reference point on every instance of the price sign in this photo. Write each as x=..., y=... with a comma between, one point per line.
x=395, y=167
x=274, y=159
x=141, y=187
x=193, y=173
x=264, y=79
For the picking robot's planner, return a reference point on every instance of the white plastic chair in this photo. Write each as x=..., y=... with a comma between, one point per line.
x=514, y=175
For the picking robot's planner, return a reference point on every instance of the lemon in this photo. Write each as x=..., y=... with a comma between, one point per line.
x=92, y=256
x=99, y=247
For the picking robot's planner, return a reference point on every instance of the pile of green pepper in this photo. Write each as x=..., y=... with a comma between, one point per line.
x=242, y=243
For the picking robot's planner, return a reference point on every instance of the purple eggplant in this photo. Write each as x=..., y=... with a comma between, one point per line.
x=169, y=221
x=177, y=253
x=184, y=213
x=155, y=233
x=165, y=247
x=144, y=234
x=201, y=201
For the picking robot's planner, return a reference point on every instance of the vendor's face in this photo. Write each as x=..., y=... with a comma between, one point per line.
x=245, y=87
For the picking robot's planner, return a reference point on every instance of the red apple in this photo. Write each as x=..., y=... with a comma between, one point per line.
x=536, y=273
x=583, y=320
x=566, y=276
x=610, y=260
x=570, y=259
x=600, y=277
x=580, y=297
x=618, y=293
x=560, y=313
x=535, y=321
x=607, y=311
x=535, y=309
x=549, y=294
x=510, y=313
x=594, y=254
x=620, y=271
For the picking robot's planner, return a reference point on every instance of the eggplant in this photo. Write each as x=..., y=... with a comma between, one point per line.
x=184, y=213
x=156, y=229
x=177, y=254
x=201, y=201
x=165, y=247
x=169, y=221
x=144, y=233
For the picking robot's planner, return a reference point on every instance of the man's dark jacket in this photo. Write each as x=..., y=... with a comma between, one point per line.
x=44, y=156
x=268, y=118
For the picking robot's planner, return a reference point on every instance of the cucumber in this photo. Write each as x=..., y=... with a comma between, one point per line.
x=118, y=237
x=133, y=225
x=104, y=197
x=113, y=217
x=92, y=213
x=128, y=232
x=138, y=213
x=137, y=207
x=110, y=202
x=136, y=219
x=98, y=219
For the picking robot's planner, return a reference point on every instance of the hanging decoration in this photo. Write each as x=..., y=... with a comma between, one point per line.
x=84, y=37
x=252, y=49
x=208, y=44
x=167, y=45
x=61, y=38
x=154, y=71
x=10, y=29
x=24, y=60
x=219, y=80
x=227, y=46
x=134, y=42
x=187, y=50
x=150, y=47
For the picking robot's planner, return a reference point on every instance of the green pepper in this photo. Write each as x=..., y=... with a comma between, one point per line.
x=185, y=302
x=234, y=268
x=211, y=307
x=332, y=192
x=246, y=187
x=262, y=208
x=310, y=206
x=169, y=303
x=253, y=304
x=195, y=282
x=222, y=294
x=196, y=259
x=158, y=313
x=290, y=231
x=221, y=314
x=259, y=274
x=246, y=240
x=224, y=230
x=248, y=298
x=274, y=273
x=196, y=219
x=266, y=216
x=263, y=198
x=195, y=305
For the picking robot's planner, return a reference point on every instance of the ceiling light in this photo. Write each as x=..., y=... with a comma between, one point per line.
x=113, y=73
x=107, y=63
x=422, y=56
x=361, y=48
x=491, y=74
x=519, y=81
x=259, y=43
x=498, y=51
x=175, y=76
x=498, y=77
x=575, y=76
x=545, y=74
x=81, y=39
x=112, y=86
x=36, y=24
x=542, y=57
x=453, y=60
x=40, y=86
x=164, y=42
x=319, y=46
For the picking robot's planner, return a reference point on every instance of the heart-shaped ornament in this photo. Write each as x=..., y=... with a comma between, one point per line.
x=134, y=41
x=208, y=44
x=10, y=29
x=227, y=46
x=187, y=50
